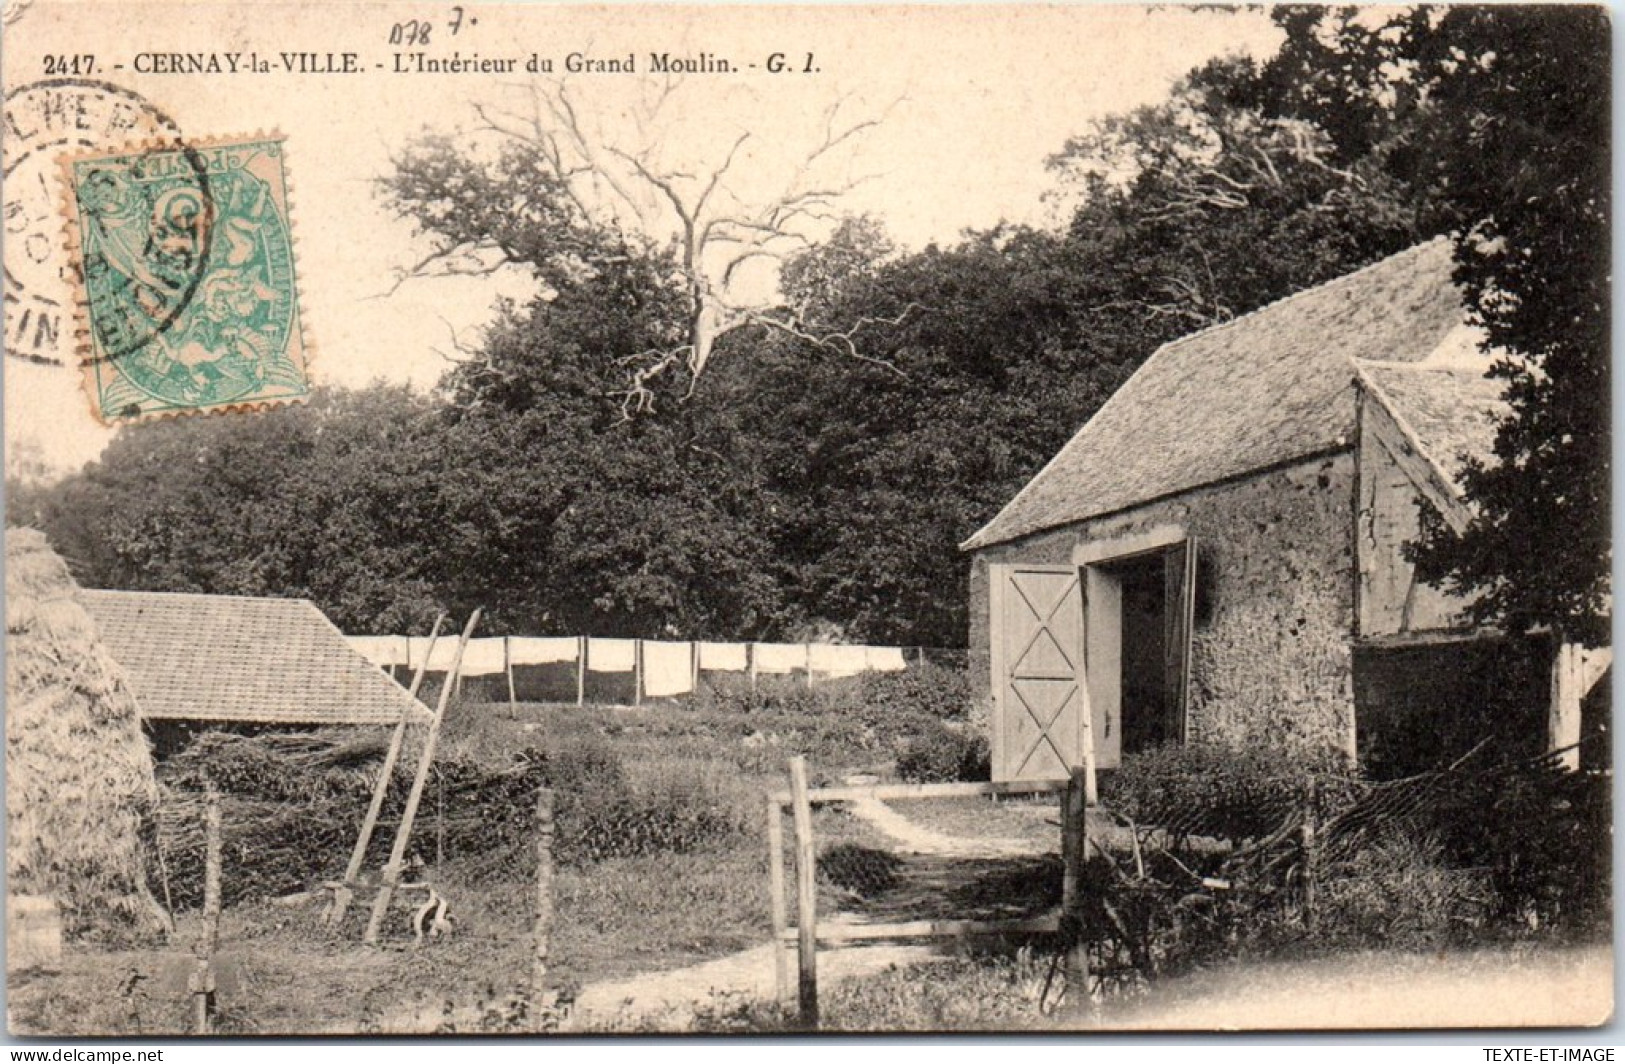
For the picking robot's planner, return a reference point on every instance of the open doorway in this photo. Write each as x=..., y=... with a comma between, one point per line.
x=1137, y=646
x=1143, y=674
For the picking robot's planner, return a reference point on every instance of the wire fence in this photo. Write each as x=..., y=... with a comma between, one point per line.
x=1167, y=879
x=451, y=938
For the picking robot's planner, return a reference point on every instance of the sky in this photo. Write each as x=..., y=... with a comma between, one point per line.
x=970, y=101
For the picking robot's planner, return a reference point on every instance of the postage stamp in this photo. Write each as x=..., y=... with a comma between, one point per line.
x=42, y=121
x=188, y=293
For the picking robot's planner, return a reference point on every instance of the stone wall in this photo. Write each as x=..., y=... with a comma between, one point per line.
x=1271, y=661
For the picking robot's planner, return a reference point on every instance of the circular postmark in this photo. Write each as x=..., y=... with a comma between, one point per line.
x=43, y=122
x=144, y=224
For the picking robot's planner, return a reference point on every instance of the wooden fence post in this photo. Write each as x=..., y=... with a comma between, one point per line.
x=542, y=921
x=581, y=670
x=202, y=981
x=507, y=669
x=806, y=895
x=1075, y=860
x=775, y=864
x=637, y=672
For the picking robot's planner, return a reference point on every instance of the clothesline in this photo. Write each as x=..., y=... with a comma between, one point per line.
x=660, y=668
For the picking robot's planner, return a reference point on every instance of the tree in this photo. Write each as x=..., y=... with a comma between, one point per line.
x=322, y=500
x=568, y=194
x=1499, y=115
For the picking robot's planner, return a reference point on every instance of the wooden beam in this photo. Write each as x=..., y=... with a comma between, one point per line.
x=1120, y=548
x=1075, y=857
x=581, y=670
x=1563, y=723
x=1432, y=637
x=882, y=792
x=507, y=668
x=1036, y=925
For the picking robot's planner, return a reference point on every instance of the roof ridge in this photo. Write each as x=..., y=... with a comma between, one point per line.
x=1335, y=282
x=1169, y=350
x=198, y=594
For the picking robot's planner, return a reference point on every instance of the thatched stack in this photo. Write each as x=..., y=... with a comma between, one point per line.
x=80, y=795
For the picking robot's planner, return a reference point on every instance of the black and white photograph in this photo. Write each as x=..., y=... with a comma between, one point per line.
x=546, y=520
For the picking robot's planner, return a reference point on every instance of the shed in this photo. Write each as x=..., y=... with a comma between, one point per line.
x=1217, y=555
x=222, y=659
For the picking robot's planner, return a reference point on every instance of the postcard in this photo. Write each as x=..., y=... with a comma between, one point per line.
x=532, y=518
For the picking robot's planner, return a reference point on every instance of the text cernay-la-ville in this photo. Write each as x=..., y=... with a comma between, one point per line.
x=455, y=63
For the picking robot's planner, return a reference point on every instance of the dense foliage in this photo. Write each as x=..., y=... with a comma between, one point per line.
x=799, y=486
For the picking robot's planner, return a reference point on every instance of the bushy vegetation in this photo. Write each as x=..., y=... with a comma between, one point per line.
x=1399, y=893
x=292, y=804
x=942, y=753
x=1216, y=791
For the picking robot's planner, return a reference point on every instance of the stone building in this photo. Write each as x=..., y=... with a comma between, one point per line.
x=1218, y=554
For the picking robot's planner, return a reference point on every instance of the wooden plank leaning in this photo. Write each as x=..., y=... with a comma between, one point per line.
x=344, y=891
x=392, y=870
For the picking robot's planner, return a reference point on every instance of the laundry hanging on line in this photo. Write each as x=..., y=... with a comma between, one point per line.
x=484, y=657
x=382, y=650
x=885, y=659
x=724, y=657
x=668, y=668
x=776, y=658
x=835, y=661
x=547, y=650
x=611, y=655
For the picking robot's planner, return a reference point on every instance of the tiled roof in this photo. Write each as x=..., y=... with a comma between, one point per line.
x=1449, y=413
x=250, y=660
x=1269, y=387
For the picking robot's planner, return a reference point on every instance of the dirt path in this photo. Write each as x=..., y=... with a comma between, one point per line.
x=666, y=1001
x=913, y=838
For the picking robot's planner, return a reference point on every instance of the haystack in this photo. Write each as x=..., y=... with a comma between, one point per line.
x=80, y=796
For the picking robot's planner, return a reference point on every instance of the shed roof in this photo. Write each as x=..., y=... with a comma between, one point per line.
x=1269, y=387
x=247, y=660
x=1446, y=409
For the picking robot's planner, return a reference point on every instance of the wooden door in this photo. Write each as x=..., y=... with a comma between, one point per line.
x=1039, y=699
x=1179, y=614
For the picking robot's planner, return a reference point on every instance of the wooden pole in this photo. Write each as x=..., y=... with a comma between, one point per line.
x=392, y=870
x=806, y=895
x=507, y=669
x=202, y=981
x=694, y=666
x=637, y=672
x=581, y=670
x=542, y=919
x=750, y=663
x=345, y=891
x=1075, y=857
x=781, y=923
x=806, y=653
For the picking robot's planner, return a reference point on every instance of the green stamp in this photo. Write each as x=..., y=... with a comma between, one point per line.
x=189, y=295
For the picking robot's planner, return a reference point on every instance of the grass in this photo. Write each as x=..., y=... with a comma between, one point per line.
x=613, y=918
x=1036, y=817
